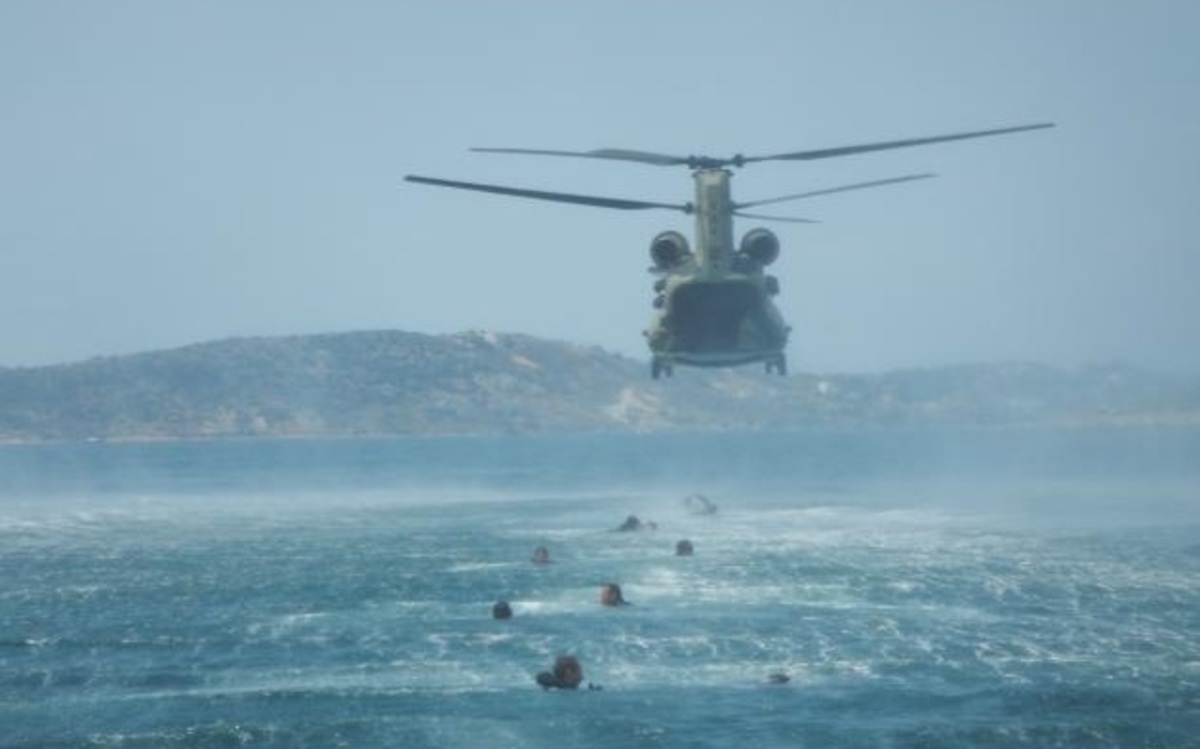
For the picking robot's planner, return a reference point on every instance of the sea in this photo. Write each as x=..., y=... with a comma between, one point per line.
x=853, y=588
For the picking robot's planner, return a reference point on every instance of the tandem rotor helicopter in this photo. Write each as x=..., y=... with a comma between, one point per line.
x=713, y=303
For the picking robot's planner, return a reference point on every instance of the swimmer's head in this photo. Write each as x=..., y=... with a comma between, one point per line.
x=568, y=674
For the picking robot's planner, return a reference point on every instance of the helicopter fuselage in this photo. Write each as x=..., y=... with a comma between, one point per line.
x=713, y=307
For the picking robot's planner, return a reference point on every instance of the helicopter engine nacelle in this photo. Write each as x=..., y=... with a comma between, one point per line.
x=761, y=246
x=668, y=250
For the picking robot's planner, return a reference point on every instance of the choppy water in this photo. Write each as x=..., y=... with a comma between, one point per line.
x=975, y=589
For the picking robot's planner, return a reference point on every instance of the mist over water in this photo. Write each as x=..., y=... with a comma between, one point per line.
x=1007, y=588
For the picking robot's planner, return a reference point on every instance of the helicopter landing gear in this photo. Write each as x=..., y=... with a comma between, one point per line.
x=777, y=363
x=658, y=367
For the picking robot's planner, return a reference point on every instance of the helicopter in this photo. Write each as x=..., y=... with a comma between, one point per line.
x=713, y=304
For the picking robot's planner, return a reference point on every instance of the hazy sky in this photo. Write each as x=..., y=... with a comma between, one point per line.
x=178, y=172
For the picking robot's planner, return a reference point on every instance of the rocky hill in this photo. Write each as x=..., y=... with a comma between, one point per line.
x=393, y=382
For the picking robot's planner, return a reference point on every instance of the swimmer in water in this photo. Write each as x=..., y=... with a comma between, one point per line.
x=634, y=523
x=567, y=674
x=610, y=595
x=541, y=555
x=502, y=610
x=698, y=504
x=683, y=548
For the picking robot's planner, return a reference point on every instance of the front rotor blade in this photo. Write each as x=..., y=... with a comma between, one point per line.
x=825, y=153
x=616, y=154
x=843, y=188
x=560, y=197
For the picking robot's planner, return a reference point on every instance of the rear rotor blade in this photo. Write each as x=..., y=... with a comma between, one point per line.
x=616, y=154
x=788, y=219
x=842, y=188
x=560, y=197
x=825, y=153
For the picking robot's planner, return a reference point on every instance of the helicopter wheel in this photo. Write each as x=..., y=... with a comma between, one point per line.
x=777, y=364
